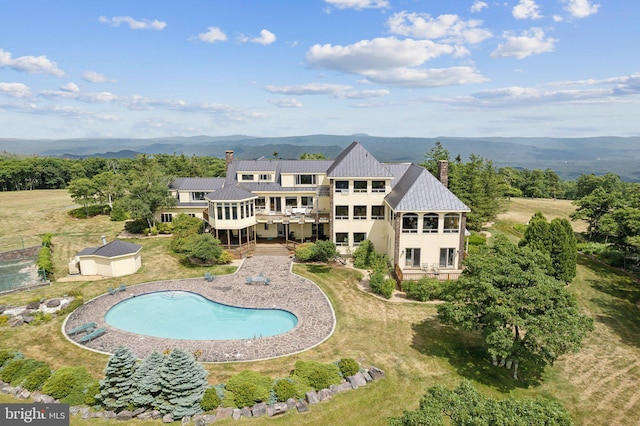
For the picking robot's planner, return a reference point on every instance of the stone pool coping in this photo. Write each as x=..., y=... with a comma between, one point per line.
x=288, y=291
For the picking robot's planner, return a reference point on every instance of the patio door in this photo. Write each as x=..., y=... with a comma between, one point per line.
x=412, y=258
x=276, y=204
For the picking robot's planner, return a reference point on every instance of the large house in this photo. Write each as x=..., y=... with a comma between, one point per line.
x=402, y=209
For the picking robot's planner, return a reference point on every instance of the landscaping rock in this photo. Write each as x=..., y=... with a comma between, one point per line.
x=47, y=399
x=357, y=380
x=32, y=306
x=324, y=395
x=167, y=418
x=155, y=414
x=201, y=420
x=124, y=415
x=312, y=397
x=53, y=303
x=24, y=394
x=28, y=319
x=277, y=409
x=144, y=416
x=85, y=414
x=367, y=376
x=302, y=407
x=236, y=414
x=109, y=415
x=291, y=403
x=246, y=412
x=259, y=409
x=97, y=415
x=15, y=321
x=2, y=309
x=137, y=412
x=224, y=412
x=340, y=388
x=185, y=420
x=376, y=373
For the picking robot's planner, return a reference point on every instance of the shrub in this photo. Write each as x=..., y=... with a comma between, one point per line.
x=117, y=387
x=164, y=228
x=44, y=261
x=36, y=378
x=5, y=356
x=118, y=213
x=46, y=239
x=285, y=389
x=388, y=285
x=18, y=369
x=425, y=289
x=260, y=388
x=204, y=247
x=476, y=239
x=348, y=366
x=11, y=370
x=89, y=211
x=305, y=252
x=183, y=382
x=379, y=262
x=362, y=255
x=317, y=375
x=137, y=226
x=225, y=258
x=324, y=250
x=92, y=391
x=68, y=384
x=3, y=320
x=40, y=317
x=146, y=381
x=210, y=399
x=375, y=281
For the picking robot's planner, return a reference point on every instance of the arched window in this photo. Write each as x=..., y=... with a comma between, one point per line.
x=452, y=222
x=430, y=223
x=410, y=223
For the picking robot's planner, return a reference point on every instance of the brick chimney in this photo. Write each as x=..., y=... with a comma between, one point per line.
x=228, y=159
x=443, y=172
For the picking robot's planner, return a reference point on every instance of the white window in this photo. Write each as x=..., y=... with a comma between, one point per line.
x=447, y=257
x=452, y=222
x=377, y=212
x=265, y=177
x=360, y=186
x=359, y=237
x=166, y=217
x=410, y=223
x=412, y=258
x=246, y=177
x=359, y=212
x=342, y=238
x=430, y=223
x=342, y=186
x=377, y=186
x=342, y=212
x=305, y=179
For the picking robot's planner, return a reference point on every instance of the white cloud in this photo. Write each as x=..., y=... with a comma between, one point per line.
x=529, y=42
x=377, y=54
x=526, y=9
x=580, y=8
x=422, y=77
x=358, y=4
x=95, y=77
x=477, y=6
x=30, y=64
x=362, y=94
x=213, y=34
x=308, y=89
x=266, y=38
x=15, y=90
x=286, y=103
x=144, y=24
x=70, y=87
x=449, y=28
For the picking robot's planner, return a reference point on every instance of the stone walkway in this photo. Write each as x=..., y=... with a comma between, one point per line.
x=303, y=298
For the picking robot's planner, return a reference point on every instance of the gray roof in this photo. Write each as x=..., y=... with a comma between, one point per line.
x=397, y=170
x=305, y=166
x=113, y=249
x=197, y=184
x=231, y=193
x=419, y=190
x=356, y=161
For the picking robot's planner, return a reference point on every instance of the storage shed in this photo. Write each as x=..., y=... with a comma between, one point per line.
x=113, y=259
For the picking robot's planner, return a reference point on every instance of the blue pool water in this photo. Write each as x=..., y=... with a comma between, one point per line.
x=189, y=316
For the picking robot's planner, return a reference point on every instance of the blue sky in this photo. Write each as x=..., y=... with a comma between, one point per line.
x=428, y=68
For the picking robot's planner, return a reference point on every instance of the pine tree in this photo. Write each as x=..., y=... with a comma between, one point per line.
x=147, y=381
x=183, y=381
x=564, y=252
x=117, y=387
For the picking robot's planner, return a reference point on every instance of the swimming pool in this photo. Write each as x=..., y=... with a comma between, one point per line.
x=189, y=316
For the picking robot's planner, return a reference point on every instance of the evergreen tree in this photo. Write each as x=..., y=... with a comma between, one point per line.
x=183, y=382
x=564, y=251
x=116, y=389
x=147, y=381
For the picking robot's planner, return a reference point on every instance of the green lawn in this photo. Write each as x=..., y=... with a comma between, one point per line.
x=598, y=385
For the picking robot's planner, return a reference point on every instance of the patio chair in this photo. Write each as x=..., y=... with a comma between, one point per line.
x=112, y=291
x=209, y=276
x=89, y=337
x=123, y=287
x=249, y=280
x=267, y=281
x=88, y=327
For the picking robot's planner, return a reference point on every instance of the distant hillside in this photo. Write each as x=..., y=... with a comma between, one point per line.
x=569, y=157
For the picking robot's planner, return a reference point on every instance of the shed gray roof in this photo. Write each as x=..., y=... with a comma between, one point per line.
x=356, y=161
x=419, y=190
x=113, y=249
x=197, y=184
x=231, y=193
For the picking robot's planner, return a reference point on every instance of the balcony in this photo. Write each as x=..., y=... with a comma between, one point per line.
x=294, y=215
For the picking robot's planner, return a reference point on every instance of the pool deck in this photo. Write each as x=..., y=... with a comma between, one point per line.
x=298, y=295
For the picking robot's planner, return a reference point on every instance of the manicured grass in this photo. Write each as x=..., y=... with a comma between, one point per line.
x=598, y=385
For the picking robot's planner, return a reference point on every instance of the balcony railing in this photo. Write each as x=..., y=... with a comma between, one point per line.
x=293, y=216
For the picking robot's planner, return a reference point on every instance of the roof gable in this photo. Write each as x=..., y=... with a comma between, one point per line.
x=113, y=249
x=231, y=193
x=419, y=190
x=356, y=161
